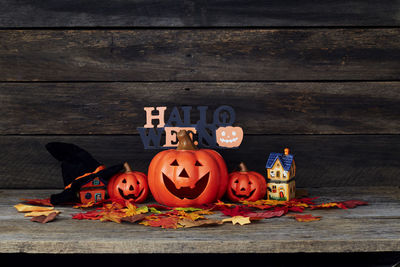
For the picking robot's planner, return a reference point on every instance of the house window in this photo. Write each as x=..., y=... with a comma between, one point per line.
x=96, y=182
x=285, y=174
x=97, y=197
x=272, y=173
x=274, y=189
x=278, y=174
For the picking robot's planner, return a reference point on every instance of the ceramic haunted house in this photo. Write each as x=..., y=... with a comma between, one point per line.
x=281, y=170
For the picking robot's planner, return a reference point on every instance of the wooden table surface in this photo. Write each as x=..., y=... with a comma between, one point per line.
x=372, y=228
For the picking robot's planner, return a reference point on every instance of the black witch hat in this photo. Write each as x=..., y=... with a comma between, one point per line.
x=78, y=167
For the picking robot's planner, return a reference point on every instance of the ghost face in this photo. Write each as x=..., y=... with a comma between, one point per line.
x=229, y=136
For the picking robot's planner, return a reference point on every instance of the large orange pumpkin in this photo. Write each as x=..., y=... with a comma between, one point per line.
x=187, y=176
x=130, y=185
x=246, y=185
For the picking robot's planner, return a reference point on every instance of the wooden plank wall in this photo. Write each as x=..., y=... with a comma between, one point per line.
x=321, y=77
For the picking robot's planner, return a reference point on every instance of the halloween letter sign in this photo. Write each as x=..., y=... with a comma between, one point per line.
x=160, y=130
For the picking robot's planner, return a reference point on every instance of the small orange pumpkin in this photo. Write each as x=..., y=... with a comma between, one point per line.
x=246, y=185
x=187, y=176
x=130, y=185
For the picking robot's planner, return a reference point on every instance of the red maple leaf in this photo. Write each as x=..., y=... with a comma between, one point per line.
x=235, y=211
x=350, y=204
x=267, y=214
x=90, y=215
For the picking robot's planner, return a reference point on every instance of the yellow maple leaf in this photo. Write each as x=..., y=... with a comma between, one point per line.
x=30, y=208
x=238, y=219
x=131, y=210
x=190, y=215
x=111, y=216
x=87, y=205
x=39, y=213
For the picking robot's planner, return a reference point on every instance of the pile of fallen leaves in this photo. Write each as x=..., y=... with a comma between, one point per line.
x=155, y=215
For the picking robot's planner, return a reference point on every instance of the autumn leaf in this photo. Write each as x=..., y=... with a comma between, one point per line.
x=186, y=209
x=38, y=201
x=131, y=209
x=87, y=205
x=238, y=219
x=353, y=203
x=164, y=222
x=154, y=210
x=45, y=218
x=90, y=215
x=40, y=213
x=305, y=217
x=30, y=208
x=189, y=215
x=187, y=223
x=296, y=209
x=328, y=205
x=113, y=216
x=235, y=211
x=134, y=218
x=308, y=201
x=267, y=214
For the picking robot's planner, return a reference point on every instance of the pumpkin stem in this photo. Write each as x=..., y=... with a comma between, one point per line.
x=127, y=167
x=243, y=167
x=185, y=142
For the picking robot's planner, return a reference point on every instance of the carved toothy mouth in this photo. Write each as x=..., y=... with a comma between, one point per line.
x=187, y=192
x=129, y=196
x=243, y=196
x=233, y=140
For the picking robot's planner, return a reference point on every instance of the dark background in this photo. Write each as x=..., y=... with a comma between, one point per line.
x=320, y=77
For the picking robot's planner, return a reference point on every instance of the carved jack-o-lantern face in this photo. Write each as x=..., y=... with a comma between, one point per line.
x=246, y=185
x=131, y=185
x=229, y=136
x=187, y=177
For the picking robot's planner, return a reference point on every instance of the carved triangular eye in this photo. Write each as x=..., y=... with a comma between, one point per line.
x=174, y=163
x=124, y=181
x=198, y=163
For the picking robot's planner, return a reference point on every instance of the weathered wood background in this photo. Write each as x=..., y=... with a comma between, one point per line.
x=319, y=77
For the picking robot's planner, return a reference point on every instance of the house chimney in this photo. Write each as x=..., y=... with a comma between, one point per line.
x=286, y=151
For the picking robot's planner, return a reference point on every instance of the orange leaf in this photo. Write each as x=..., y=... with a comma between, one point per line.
x=37, y=201
x=164, y=222
x=328, y=205
x=305, y=217
x=45, y=218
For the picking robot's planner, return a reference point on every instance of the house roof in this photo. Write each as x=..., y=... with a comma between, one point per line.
x=286, y=161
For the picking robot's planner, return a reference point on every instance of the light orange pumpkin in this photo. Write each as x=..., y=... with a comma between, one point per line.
x=246, y=185
x=229, y=136
x=130, y=185
x=187, y=176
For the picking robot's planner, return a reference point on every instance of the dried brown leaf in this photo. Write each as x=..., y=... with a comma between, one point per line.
x=45, y=219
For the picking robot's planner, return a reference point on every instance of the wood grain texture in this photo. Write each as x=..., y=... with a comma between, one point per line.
x=276, y=108
x=321, y=160
x=372, y=228
x=198, y=13
x=205, y=54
